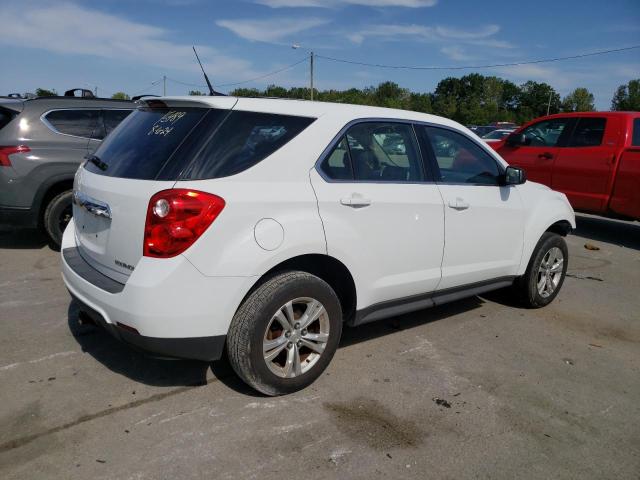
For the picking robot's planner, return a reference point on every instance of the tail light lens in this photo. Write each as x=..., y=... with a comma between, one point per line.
x=5, y=151
x=176, y=218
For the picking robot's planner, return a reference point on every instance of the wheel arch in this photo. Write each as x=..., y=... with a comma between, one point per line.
x=326, y=267
x=551, y=213
x=48, y=191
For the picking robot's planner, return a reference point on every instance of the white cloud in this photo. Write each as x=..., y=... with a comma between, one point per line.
x=480, y=36
x=270, y=30
x=338, y=3
x=68, y=28
x=456, y=53
x=456, y=33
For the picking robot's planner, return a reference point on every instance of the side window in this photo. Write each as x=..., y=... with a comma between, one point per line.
x=243, y=140
x=635, y=141
x=112, y=118
x=384, y=152
x=588, y=132
x=460, y=160
x=337, y=165
x=79, y=123
x=546, y=133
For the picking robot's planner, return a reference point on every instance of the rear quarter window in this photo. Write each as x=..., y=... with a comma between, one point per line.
x=79, y=123
x=243, y=140
x=6, y=116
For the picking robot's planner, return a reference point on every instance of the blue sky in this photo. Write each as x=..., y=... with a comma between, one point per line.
x=127, y=45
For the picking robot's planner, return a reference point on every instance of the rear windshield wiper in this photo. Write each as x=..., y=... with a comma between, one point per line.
x=97, y=162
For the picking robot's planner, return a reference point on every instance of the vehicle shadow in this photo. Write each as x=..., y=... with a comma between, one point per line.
x=135, y=365
x=148, y=370
x=624, y=234
x=23, y=238
x=363, y=333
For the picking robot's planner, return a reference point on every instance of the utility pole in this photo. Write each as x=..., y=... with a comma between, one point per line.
x=164, y=85
x=549, y=104
x=295, y=46
x=311, y=76
x=95, y=94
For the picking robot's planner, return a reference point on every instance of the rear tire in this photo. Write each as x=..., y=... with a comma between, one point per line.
x=545, y=273
x=285, y=333
x=57, y=216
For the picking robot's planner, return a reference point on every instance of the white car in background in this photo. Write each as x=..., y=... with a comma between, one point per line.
x=264, y=225
x=497, y=135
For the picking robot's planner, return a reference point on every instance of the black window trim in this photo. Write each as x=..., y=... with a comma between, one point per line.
x=49, y=125
x=429, y=165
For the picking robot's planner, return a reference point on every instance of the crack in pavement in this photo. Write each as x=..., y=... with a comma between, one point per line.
x=21, y=441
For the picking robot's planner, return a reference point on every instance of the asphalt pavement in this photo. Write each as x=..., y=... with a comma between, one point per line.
x=475, y=389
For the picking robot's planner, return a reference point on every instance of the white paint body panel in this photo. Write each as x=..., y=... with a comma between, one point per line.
x=406, y=242
x=484, y=239
x=393, y=247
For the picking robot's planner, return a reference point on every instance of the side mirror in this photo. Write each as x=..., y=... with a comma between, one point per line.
x=516, y=139
x=514, y=176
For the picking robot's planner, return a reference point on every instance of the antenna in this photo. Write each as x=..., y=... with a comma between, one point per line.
x=212, y=92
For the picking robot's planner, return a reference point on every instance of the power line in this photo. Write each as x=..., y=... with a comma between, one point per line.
x=152, y=84
x=467, y=67
x=243, y=81
x=265, y=75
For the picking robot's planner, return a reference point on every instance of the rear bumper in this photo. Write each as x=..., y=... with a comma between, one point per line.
x=18, y=217
x=166, y=307
x=195, y=348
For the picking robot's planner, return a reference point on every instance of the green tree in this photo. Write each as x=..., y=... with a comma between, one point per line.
x=120, y=96
x=196, y=93
x=627, y=97
x=43, y=92
x=580, y=100
x=536, y=99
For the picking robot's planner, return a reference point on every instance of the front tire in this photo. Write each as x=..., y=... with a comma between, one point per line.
x=57, y=216
x=285, y=333
x=545, y=273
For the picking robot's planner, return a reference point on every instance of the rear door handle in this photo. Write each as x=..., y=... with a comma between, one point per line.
x=458, y=204
x=546, y=156
x=355, y=201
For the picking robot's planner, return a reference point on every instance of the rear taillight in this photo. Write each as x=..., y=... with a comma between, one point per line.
x=5, y=151
x=176, y=218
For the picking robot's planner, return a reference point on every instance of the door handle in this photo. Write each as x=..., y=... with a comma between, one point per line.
x=546, y=156
x=355, y=201
x=459, y=204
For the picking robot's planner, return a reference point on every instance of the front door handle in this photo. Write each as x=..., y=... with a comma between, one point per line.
x=355, y=201
x=546, y=155
x=458, y=204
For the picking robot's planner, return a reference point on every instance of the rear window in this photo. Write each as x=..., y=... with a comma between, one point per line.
x=243, y=140
x=112, y=118
x=192, y=143
x=145, y=141
x=635, y=141
x=6, y=116
x=79, y=123
x=588, y=132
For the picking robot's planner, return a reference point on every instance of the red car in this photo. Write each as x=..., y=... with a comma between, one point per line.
x=592, y=157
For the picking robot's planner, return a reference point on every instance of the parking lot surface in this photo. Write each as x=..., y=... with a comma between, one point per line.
x=475, y=389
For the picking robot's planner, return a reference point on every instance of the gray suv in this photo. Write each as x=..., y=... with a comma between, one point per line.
x=42, y=142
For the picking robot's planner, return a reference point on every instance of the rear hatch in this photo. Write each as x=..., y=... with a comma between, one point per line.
x=145, y=154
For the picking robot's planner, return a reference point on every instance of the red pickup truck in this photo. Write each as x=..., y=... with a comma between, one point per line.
x=592, y=157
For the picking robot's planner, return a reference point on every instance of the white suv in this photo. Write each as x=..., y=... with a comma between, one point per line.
x=261, y=226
